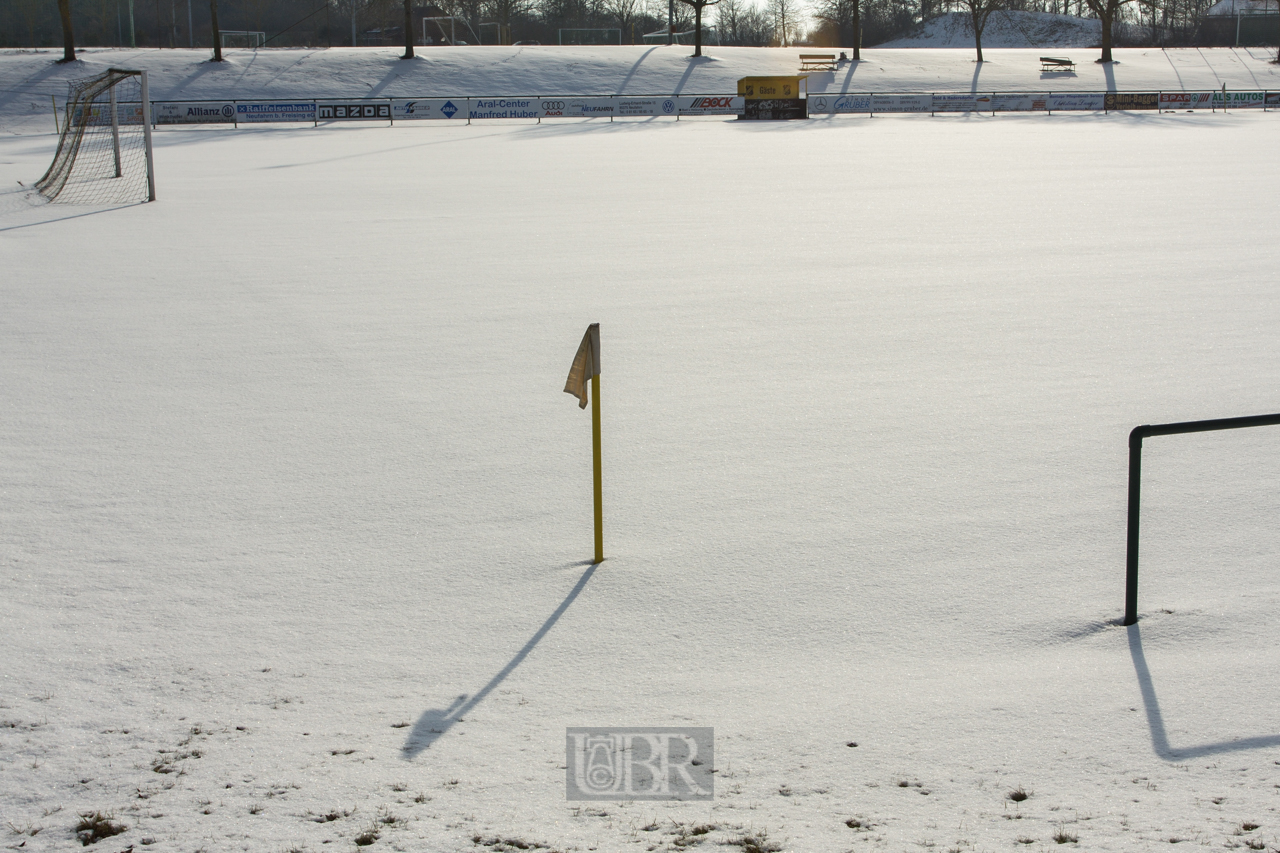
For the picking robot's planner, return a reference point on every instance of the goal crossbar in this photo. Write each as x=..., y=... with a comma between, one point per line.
x=1136, y=435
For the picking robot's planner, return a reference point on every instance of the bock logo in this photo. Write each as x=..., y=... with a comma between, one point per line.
x=448, y=109
x=668, y=106
x=639, y=763
x=711, y=104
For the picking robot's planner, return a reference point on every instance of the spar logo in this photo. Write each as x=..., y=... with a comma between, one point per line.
x=448, y=109
x=712, y=103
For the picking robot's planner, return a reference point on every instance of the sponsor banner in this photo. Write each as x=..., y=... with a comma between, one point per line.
x=415, y=109
x=831, y=104
x=902, y=103
x=1240, y=100
x=576, y=107
x=259, y=111
x=709, y=105
x=1273, y=99
x=1076, y=101
x=774, y=109
x=1018, y=103
x=1186, y=100
x=628, y=106
x=1131, y=101
x=202, y=112
x=960, y=103
x=504, y=107
x=353, y=111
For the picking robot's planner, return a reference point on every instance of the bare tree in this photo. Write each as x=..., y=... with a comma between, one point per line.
x=843, y=16
x=625, y=12
x=68, y=38
x=979, y=11
x=503, y=12
x=217, y=32
x=784, y=14
x=1106, y=10
x=698, y=6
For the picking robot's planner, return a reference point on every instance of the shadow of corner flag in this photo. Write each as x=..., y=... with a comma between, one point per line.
x=586, y=368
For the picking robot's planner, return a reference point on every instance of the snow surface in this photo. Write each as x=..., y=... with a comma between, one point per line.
x=1005, y=29
x=286, y=471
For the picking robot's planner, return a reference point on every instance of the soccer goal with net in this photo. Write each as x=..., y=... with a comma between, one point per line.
x=243, y=38
x=104, y=152
x=609, y=35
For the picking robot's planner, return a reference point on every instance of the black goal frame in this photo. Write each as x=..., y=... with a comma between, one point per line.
x=1135, y=487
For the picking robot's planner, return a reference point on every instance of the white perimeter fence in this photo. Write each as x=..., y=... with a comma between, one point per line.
x=641, y=106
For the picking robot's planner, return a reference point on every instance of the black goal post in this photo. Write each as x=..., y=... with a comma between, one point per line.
x=1135, y=486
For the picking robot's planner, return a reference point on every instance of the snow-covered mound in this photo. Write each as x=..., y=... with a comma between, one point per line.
x=1005, y=29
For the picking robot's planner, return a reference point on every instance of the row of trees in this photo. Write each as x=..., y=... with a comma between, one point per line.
x=830, y=23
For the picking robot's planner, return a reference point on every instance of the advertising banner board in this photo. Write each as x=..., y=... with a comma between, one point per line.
x=960, y=103
x=652, y=105
x=419, y=109
x=1273, y=99
x=1239, y=100
x=353, y=111
x=709, y=105
x=902, y=103
x=100, y=114
x=201, y=112
x=1012, y=102
x=264, y=111
x=576, y=107
x=832, y=104
x=1131, y=101
x=504, y=108
x=1067, y=101
x=1186, y=100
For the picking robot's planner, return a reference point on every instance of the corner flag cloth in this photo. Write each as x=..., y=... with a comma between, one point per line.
x=586, y=364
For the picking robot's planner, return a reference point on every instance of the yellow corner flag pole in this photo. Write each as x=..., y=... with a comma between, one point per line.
x=595, y=465
x=586, y=365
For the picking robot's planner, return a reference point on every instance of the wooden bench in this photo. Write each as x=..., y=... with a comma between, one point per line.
x=1056, y=63
x=817, y=62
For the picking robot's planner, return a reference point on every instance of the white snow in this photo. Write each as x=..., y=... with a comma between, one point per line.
x=1004, y=29
x=285, y=464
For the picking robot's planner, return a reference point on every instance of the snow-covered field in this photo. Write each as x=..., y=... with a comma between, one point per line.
x=286, y=472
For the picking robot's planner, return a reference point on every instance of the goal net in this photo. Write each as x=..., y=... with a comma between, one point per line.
x=104, y=152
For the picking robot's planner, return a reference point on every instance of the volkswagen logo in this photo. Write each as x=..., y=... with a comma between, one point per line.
x=668, y=106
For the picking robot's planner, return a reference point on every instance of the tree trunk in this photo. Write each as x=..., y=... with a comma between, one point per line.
x=68, y=38
x=977, y=34
x=857, y=30
x=217, y=32
x=1106, y=18
x=353, y=27
x=408, y=30
x=697, y=27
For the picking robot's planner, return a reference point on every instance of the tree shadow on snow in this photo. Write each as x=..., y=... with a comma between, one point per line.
x=434, y=722
x=1155, y=721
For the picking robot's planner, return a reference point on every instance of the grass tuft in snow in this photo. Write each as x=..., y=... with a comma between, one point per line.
x=756, y=842
x=1061, y=836
x=1018, y=794
x=95, y=826
x=505, y=845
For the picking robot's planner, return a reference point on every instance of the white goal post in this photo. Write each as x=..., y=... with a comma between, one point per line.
x=252, y=38
x=104, y=151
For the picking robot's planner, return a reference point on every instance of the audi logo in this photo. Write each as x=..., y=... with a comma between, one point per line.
x=553, y=105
